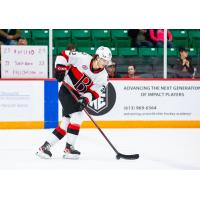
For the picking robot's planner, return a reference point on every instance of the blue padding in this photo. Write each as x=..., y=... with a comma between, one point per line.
x=50, y=104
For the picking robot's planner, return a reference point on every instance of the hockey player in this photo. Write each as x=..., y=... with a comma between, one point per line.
x=86, y=77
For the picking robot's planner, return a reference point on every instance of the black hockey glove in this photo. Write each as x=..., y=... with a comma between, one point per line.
x=60, y=72
x=82, y=103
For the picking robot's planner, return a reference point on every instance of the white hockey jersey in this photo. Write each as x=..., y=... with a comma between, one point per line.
x=80, y=75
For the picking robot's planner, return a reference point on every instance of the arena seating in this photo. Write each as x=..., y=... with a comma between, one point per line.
x=81, y=38
x=61, y=37
x=129, y=51
x=112, y=38
x=180, y=38
x=120, y=38
x=149, y=61
x=194, y=38
x=40, y=37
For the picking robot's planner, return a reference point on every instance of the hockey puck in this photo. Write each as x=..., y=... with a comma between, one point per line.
x=118, y=157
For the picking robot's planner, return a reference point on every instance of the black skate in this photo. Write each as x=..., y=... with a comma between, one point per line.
x=44, y=151
x=70, y=152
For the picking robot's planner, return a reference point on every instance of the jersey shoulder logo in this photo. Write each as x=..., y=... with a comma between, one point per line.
x=84, y=67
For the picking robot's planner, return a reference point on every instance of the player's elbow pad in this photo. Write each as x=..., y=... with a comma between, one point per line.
x=59, y=75
x=60, y=72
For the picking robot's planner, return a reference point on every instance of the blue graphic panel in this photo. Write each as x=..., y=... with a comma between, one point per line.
x=50, y=103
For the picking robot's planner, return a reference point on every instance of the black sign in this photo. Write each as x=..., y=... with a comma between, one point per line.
x=105, y=103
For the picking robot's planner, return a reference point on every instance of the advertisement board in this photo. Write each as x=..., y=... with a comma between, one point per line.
x=149, y=103
x=124, y=104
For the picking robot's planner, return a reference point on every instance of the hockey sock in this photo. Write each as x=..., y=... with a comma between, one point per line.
x=64, y=123
x=59, y=133
x=52, y=139
x=73, y=131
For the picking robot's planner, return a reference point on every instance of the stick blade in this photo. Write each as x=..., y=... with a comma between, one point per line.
x=127, y=157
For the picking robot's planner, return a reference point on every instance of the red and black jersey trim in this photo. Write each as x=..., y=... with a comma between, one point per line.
x=74, y=74
x=73, y=129
x=71, y=88
x=95, y=71
x=64, y=55
x=95, y=95
x=59, y=132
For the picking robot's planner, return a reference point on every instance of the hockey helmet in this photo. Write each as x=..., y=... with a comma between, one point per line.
x=105, y=53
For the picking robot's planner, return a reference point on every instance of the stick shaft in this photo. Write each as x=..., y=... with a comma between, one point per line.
x=97, y=126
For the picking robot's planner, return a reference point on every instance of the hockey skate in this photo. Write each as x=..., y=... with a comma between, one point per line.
x=44, y=151
x=70, y=152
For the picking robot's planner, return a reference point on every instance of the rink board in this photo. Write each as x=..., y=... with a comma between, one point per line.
x=138, y=104
x=153, y=103
x=28, y=103
x=143, y=124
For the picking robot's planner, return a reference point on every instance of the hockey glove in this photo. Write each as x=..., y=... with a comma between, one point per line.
x=82, y=103
x=60, y=73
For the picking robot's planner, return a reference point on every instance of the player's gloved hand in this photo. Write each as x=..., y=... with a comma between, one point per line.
x=60, y=73
x=82, y=103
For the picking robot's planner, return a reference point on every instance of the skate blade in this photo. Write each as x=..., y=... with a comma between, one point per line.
x=71, y=156
x=42, y=155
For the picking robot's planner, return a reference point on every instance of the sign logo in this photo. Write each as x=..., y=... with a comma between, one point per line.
x=105, y=103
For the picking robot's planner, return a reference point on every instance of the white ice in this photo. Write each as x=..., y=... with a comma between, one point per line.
x=158, y=149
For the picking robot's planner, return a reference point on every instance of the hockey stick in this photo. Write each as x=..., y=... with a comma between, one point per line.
x=118, y=155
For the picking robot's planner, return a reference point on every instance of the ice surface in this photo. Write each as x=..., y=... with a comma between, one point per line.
x=158, y=149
